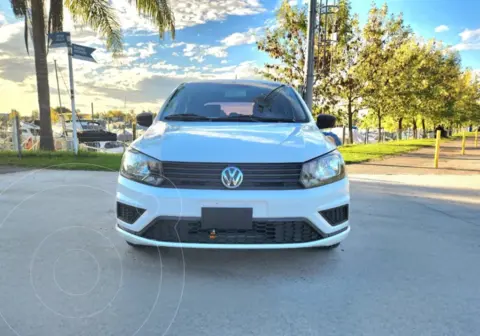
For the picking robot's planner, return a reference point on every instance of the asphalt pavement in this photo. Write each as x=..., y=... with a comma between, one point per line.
x=409, y=267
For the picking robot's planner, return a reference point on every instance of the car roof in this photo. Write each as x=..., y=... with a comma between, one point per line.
x=250, y=82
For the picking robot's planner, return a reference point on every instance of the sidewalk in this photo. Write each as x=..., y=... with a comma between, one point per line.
x=420, y=162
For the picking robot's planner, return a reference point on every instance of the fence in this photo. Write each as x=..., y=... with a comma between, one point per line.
x=22, y=137
x=6, y=135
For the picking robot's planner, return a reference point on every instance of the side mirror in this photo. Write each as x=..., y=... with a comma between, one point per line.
x=326, y=121
x=145, y=119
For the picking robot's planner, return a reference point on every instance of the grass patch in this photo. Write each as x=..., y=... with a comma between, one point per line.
x=467, y=134
x=63, y=160
x=363, y=153
x=111, y=162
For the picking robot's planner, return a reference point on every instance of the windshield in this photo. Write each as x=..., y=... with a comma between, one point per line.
x=234, y=102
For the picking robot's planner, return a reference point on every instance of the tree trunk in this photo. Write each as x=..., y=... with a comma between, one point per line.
x=350, y=122
x=379, y=127
x=424, y=135
x=414, y=122
x=400, y=128
x=43, y=89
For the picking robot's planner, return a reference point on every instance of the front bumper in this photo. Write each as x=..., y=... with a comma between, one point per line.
x=266, y=204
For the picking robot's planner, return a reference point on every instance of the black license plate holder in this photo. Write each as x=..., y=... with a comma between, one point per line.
x=227, y=218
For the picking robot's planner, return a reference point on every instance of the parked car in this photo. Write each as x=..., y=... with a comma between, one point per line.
x=233, y=164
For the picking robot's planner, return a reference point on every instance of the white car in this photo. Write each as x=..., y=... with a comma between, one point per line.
x=235, y=165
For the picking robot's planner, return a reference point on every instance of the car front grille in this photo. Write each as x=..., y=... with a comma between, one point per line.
x=256, y=176
x=127, y=213
x=336, y=216
x=262, y=232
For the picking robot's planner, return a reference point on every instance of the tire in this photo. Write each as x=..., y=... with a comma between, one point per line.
x=331, y=247
x=133, y=245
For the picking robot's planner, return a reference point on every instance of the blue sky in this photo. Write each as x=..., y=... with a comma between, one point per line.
x=215, y=39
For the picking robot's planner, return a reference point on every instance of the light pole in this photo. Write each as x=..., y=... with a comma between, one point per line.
x=309, y=63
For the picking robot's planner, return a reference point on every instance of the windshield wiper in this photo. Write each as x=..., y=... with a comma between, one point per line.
x=251, y=118
x=187, y=117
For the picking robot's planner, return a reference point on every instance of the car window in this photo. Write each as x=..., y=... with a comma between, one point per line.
x=221, y=100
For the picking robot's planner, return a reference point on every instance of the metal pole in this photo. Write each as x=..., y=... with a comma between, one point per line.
x=64, y=127
x=320, y=33
x=437, y=149
x=58, y=88
x=92, y=110
x=72, y=97
x=309, y=63
x=324, y=67
x=17, y=134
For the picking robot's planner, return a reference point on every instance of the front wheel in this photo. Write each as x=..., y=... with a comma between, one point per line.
x=133, y=245
x=331, y=247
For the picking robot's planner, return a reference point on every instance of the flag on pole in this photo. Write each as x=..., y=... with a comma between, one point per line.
x=82, y=52
x=58, y=39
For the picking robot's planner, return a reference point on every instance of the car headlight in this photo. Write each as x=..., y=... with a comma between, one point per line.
x=323, y=170
x=142, y=168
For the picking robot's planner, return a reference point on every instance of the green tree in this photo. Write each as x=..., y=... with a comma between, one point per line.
x=383, y=35
x=130, y=116
x=99, y=15
x=13, y=114
x=286, y=43
x=336, y=84
x=54, y=115
x=341, y=86
x=116, y=114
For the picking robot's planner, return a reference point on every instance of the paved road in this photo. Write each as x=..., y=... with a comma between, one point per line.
x=410, y=267
x=420, y=162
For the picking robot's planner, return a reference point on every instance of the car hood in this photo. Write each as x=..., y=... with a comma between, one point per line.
x=233, y=142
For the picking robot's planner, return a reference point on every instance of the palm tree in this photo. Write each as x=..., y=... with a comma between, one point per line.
x=99, y=15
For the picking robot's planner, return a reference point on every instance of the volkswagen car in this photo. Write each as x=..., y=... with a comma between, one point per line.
x=233, y=164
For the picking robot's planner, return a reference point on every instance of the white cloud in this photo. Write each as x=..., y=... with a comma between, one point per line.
x=7, y=31
x=188, y=13
x=476, y=73
x=467, y=46
x=224, y=62
x=107, y=82
x=442, y=28
x=175, y=45
x=190, y=49
x=219, y=52
x=247, y=37
x=469, y=35
x=198, y=52
x=225, y=69
x=164, y=66
x=470, y=40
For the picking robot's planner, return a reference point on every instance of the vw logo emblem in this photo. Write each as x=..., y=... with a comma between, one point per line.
x=232, y=177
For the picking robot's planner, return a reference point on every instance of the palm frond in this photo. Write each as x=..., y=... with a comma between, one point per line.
x=25, y=34
x=19, y=8
x=99, y=15
x=159, y=12
x=55, y=16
